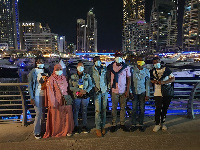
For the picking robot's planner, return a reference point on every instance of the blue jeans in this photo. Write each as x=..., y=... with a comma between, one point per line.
x=40, y=115
x=100, y=111
x=139, y=99
x=122, y=100
x=84, y=104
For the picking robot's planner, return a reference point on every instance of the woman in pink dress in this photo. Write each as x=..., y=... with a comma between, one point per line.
x=60, y=117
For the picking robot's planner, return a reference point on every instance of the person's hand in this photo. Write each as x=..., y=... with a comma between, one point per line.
x=154, y=81
x=82, y=92
x=127, y=94
x=32, y=102
x=80, y=95
x=161, y=82
x=146, y=98
x=96, y=89
x=131, y=95
x=107, y=90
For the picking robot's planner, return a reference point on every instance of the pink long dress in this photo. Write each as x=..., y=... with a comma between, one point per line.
x=59, y=118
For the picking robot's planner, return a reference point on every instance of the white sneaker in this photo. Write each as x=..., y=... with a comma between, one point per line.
x=156, y=128
x=163, y=127
x=38, y=136
x=69, y=134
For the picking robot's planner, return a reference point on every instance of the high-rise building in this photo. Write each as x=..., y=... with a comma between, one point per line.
x=9, y=23
x=91, y=32
x=81, y=35
x=28, y=27
x=163, y=25
x=61, y=44
x=135, y=28
x=43, y=41
x=191, y=25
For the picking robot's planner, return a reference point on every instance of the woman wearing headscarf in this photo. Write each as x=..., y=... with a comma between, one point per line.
x=60, y=117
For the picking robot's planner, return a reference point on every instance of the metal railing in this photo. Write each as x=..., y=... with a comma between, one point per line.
x=15, y=102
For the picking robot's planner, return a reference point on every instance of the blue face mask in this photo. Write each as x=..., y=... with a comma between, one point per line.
x=98, y=63
x=157, y=66
x=40, y=66
x=59, y=73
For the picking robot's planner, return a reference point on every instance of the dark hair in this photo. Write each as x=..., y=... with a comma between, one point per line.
x=37, y=58
x=96, y=58
x=80, y=61
x=141, y=56
x=156, y=58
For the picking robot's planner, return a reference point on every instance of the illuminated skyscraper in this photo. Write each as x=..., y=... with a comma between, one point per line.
x=9, y=23
x=81, y=35
x=135, y=29
x=28, y=27
x=163, y=25
x=91, y=32
x=191, y=25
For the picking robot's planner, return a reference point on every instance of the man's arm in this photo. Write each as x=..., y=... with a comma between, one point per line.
x=148, y=84
x=170, y=80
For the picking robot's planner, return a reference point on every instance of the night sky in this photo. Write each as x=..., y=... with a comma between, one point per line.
x=61, y=16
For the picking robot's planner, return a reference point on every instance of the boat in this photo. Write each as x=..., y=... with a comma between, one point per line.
x=7, y=70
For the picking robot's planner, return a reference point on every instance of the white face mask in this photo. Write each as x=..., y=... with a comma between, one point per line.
x=118, y=60
x=157, y=66
x=80, y=69
x=59, y=73
x=40, y=66
x=97, y=63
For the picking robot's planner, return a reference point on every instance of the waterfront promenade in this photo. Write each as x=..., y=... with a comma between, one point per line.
x=183, y=134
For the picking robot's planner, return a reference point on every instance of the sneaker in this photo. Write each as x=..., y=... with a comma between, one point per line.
x=156, y=128
x=69, y=134
x=85, y=129
x=98, y=133
x=103, y=131
x=113, y=128
x=123, y=127
x=133, y=128
x=163, y=127
x=38, y=136
x=76, y=130
x=141, y=128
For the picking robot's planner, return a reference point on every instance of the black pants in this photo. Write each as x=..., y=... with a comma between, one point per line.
x=162, y=104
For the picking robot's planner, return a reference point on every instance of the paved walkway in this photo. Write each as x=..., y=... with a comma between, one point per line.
x=183, y=134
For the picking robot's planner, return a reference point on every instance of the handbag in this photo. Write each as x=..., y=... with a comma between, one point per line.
x=66, y=99
x=167, y=90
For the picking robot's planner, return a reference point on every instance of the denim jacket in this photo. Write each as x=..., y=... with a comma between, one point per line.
x=32, y=82
x=87, y=83
x=140, y=81
x=100, y=81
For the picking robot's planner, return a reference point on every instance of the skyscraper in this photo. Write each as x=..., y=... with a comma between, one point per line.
x=81, y=35
x=135, y=28
x=191, y=25
x=163, y=25
x=9, y=23
x=28, y=27
x=43, y=40
x=91, y=32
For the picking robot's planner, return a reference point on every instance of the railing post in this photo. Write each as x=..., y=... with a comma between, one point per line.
x=24, y=107
x=190, y=107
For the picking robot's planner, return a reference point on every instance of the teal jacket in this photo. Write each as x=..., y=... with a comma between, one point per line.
x=87, y=83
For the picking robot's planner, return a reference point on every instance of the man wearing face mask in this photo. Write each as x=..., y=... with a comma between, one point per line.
x=101, y=95
x=162, y=79
x=37, y=83
x=140, y=87
x=120, y=83
x=80, y=85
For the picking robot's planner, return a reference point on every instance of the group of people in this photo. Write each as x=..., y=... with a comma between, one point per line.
x=57, y=92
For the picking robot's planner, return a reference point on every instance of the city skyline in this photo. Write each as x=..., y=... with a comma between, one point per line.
x=109, y=25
